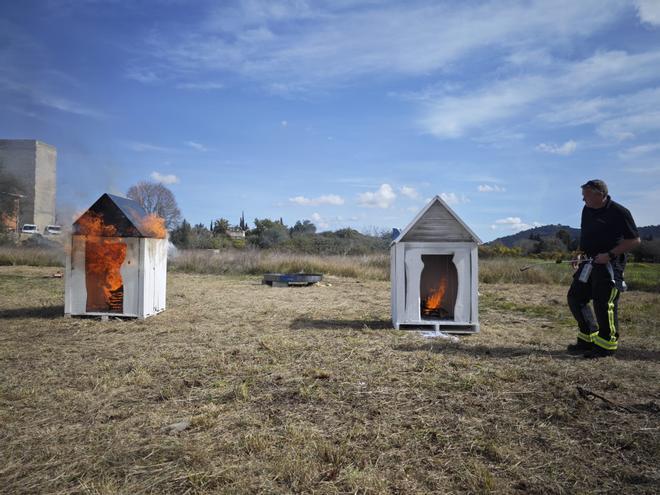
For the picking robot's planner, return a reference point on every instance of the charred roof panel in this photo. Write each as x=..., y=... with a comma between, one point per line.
x=124, y=214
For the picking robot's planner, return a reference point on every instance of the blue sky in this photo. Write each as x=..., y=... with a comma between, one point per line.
x=345, y=112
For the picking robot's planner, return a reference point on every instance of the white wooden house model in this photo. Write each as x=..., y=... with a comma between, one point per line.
x=434, y=272
x=115, y=265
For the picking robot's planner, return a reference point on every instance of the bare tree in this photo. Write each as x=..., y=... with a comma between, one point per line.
x=155, y=198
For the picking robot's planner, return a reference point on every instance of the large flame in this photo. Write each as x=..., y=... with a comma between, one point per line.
x=8, y=220
x=103, y=259
x=434, y=299
x=92, y=224
x=104, y=256
x=153, y=226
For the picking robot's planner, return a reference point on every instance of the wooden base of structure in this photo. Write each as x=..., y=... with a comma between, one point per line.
x=107, y=316
x=439, y=327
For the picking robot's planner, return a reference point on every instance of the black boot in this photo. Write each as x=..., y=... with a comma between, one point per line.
x=597, y=352
x=580, y=347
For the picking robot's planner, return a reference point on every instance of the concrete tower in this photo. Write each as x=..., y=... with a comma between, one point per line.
x=34, y=165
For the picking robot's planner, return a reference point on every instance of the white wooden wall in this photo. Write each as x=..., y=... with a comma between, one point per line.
x=153, y=273
x=405, y=272
x=144, y=275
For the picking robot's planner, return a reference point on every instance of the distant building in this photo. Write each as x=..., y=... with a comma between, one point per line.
x=236, y=234
x=34, y=165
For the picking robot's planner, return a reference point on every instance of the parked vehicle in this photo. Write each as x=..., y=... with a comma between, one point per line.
x=53, y=230
x=29, y=228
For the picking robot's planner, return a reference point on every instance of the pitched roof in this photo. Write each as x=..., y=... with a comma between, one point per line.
x=437, y=222
x=124, y=214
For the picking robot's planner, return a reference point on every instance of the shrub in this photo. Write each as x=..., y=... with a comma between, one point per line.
x=33, y=256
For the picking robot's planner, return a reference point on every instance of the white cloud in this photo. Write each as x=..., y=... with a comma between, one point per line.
x=320, y=222
x=499, y=137
x=143, y=75
x=327, y=199
x=513, y=223
x=346, y=40
x=509, y=221
x=409, y=192
x=645, y=169
x=543, y=96
x=324, y=223
x=565, y=149
x=452, y=116
x=644, y=204
x=648, y=11
x=37, y=93
x=384, y=197
x=640, y=150
x=68, y=106
x=454, y=199
x=284, y=123
x=630, y=125
x=486, y=188
x=577, y=112
x=616, y=118
x=196, y=146
x=164, y=179
x=201, y=86
x=142, y=147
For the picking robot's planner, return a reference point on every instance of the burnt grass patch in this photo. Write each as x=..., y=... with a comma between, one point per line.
x=242, y=388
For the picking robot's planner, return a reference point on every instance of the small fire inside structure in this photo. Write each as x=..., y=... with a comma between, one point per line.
x=438, y=284
x=118, y=261
x=431, y=305
x=434, y=272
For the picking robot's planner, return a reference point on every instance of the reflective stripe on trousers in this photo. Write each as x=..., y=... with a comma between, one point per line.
x=612, y=343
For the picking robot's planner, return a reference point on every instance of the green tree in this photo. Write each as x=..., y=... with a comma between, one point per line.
x=302, y=228
x=648, y=251
x=565, y=237
x=242, y=224
x=347, y=233
x=268, y=233
x=220, y=226
x=202, y=238
x=182, y=235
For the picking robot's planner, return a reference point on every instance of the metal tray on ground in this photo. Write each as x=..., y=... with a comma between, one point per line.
x=291, y=279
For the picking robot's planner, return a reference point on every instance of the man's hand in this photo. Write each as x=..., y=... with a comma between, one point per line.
x=602, y=258
x=576, y=263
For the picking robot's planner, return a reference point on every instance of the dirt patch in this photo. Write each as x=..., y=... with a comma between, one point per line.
x=243, y=388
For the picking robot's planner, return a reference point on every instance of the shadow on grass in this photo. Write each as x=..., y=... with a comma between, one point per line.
x=46, y=312
x=334, y=324
x=501, y=352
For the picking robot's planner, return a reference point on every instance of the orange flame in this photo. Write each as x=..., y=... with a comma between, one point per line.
x=153, y=226
x=104, y=255
x=8, y=221
x=103, y=259
x=434, y=299
x=92, y=224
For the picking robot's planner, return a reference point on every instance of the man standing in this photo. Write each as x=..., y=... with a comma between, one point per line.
x=607, y=232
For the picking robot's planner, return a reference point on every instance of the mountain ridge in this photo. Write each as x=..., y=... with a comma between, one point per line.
x=545, y=231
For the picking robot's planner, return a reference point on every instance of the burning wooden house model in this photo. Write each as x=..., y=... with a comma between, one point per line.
x=117, y=265
x=434, y=272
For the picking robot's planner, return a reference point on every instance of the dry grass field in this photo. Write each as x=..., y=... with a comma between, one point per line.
x=242, y=388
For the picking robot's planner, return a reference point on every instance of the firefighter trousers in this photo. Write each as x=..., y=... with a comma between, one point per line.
x=601, y=288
